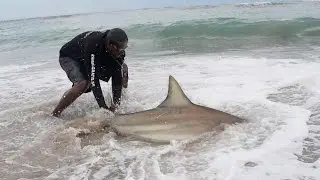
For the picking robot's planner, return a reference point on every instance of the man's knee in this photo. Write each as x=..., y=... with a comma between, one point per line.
x=82, y=85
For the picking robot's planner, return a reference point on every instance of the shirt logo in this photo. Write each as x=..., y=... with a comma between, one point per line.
x=92, y=70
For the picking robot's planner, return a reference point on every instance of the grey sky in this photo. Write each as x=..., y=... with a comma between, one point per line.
x=12, y=9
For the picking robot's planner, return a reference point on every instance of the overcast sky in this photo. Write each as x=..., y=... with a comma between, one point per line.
x=13, y=9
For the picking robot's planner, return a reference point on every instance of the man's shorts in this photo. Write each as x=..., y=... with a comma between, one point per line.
x=73, y=69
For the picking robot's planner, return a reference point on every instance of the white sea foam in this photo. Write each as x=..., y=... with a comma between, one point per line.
x=35, y=145
x=238, y=85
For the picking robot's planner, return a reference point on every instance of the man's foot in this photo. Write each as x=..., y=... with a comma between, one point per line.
x=55, y=114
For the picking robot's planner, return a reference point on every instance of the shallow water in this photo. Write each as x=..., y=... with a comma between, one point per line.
x=273, y=85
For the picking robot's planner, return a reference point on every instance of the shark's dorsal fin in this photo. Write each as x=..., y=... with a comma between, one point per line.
x=175, y=97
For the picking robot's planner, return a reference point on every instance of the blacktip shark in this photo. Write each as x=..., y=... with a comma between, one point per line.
x=176, y=118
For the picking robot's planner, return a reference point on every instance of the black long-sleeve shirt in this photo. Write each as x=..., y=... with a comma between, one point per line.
x=88, y=49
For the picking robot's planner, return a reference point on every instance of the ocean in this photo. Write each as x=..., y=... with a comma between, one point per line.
x=258, y=61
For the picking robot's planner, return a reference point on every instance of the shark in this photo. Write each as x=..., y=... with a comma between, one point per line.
x=175, y=118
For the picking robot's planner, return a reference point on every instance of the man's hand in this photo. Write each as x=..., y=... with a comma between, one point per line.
x=112, y=108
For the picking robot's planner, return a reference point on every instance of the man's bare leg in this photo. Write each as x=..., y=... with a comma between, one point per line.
x=69, y=97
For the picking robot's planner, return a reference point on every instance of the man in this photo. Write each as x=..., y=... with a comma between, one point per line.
x=90, y=57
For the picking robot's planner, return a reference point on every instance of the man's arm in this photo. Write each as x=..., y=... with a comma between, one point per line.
x=95, y=84
x=117, y=86
x=97, y=92
x=117, y=81
x=92, y=69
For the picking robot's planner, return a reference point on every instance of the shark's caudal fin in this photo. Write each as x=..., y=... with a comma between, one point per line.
x=175, y=97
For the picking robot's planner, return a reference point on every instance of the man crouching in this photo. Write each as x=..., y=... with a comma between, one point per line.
x=90, y=57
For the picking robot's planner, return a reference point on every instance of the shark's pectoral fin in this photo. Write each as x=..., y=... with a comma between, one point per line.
x=175, y=97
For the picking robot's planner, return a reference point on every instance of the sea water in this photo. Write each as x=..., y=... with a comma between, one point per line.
x=257, y=61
